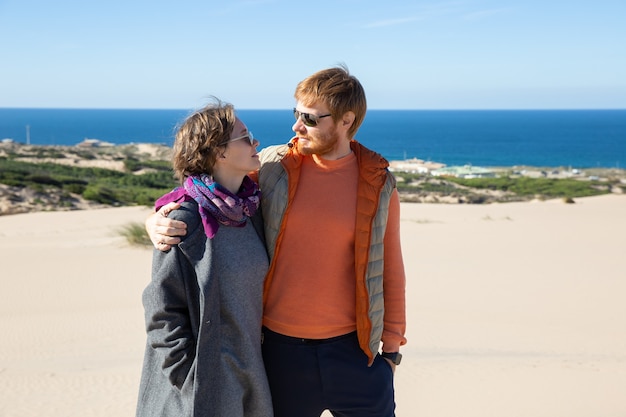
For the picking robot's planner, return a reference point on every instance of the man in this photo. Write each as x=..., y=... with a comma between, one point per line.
x=336, y=286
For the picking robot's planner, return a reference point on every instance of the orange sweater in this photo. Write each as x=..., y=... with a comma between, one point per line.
x=319, y=301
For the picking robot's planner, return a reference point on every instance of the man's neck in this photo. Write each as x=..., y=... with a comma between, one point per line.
x=335, y=154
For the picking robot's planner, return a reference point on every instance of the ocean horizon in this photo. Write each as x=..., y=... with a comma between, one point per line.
x=542, y=138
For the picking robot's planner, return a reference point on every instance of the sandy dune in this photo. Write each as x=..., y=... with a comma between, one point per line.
x=514, y=310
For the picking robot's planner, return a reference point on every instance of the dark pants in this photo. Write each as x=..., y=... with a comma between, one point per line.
x=309, y=376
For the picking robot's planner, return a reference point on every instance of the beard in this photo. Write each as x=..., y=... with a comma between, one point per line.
x=318, y=144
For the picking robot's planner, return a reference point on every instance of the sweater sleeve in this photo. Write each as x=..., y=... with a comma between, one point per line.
x=394, y=282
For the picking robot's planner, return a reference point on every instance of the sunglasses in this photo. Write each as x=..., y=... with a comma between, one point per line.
x=308, y=119
x=248, y=136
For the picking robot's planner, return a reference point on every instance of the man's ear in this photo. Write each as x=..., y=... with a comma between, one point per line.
x=347, y=119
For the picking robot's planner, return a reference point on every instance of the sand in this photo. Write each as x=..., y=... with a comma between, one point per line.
x=514, y=310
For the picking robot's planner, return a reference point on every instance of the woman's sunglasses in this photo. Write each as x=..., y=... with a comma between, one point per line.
x=308, y=119
x=248, y=136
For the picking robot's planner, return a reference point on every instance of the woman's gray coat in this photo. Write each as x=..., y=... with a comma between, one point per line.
x=192, y=365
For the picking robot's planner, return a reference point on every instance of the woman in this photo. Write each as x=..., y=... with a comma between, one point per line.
x=203, y=306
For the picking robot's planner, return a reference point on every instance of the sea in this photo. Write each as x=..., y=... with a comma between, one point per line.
x=490, y=138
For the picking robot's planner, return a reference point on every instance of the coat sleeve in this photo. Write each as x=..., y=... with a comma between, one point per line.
x=168, y=301
x=394, y=281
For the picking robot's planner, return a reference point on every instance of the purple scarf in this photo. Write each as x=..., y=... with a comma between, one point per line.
x=216, y=204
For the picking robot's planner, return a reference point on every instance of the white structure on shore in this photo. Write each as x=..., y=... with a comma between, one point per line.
x=465, y=171
x=94, y=143
x=414, y=166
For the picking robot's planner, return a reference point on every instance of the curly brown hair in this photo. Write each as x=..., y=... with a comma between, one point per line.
x=201, y=138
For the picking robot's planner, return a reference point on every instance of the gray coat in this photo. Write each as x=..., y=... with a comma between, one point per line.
x=195, y=327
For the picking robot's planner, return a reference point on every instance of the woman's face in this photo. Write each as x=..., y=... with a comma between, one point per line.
x=240, y=155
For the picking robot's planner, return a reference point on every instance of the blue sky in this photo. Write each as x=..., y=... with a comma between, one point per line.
x=413, y=54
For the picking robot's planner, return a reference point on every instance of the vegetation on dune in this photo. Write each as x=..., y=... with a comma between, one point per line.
x=504, y=188
x=59, y=177
x=136, y=235
x=542, y=187
x=104, y=186
x=117, y=188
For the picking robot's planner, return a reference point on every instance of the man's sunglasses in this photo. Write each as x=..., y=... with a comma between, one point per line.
x=248, y=136
x=308, y=119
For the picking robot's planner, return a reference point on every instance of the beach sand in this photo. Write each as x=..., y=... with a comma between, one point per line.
x=513, y=310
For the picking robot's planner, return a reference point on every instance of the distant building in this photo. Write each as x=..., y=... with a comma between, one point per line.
x=94, y=143
x=466, y=171
x=414, y=166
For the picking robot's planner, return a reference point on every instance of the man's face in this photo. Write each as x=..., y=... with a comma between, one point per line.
x=316, y=135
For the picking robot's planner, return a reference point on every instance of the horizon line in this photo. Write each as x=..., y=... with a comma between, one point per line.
x=289, y=108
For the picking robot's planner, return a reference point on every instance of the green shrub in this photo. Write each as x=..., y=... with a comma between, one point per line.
x=75, y=188
x=135, y=234
x=43, y=180
x=100, y=194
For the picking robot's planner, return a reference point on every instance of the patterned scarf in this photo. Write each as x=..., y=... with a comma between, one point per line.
x=216, y=204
